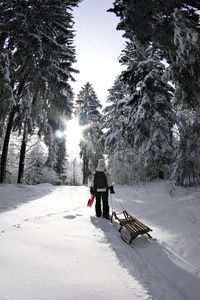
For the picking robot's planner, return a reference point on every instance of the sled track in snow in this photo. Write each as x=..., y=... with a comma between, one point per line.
x=159, y=255
x=157, y=259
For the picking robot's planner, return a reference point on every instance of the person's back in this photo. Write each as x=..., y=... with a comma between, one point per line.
x=100, y=180
x=100, y=183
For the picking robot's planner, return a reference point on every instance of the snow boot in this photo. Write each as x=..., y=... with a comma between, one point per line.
x=106, y=217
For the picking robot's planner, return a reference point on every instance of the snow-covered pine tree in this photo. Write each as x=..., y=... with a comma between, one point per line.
x=35, y=174
x=141, y=112
x=185, y=73
x=87, y=110
x=115, y=124
x=44, y=64
x=114, y=119
x=151, y=117
x=61, y=165
x=6, y=90
x=56, y=115
x=187, y=164
x=36, y=168
x=74, y=173
x=152, y=20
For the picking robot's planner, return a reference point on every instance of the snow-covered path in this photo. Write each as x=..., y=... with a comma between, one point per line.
x=52, y=247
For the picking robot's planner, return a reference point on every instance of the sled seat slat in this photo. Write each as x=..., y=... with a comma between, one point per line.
x=132, y=225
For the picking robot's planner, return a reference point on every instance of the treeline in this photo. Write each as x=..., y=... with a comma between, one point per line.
x=150, y=127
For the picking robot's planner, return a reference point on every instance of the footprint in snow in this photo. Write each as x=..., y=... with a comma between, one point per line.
x=71, y=217
x=17, y=226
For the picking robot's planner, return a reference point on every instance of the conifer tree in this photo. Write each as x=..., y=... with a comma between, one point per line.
x=144, y=116
x=187, y=164
x=172, y=26
x=115, y=122
x=87, y=110
x=115, y=117
x=151, y=119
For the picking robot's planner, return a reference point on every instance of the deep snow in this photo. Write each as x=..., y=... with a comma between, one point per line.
x=53, y=247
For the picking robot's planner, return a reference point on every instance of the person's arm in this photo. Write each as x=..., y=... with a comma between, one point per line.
x=109, y=182
x=92, y=183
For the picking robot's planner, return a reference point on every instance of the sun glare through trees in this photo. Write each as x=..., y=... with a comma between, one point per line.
x=73, y=135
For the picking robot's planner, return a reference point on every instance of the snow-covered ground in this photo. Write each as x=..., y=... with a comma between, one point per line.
x=52, y=247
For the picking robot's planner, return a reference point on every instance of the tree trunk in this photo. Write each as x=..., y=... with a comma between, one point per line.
x=4, y=154
x=22, y=157
x=161, y=174
x=85, y=168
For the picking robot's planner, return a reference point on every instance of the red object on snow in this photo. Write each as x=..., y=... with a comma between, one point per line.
x=91, y=200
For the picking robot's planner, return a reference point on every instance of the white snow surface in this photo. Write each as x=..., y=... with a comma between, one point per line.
x=52, y=247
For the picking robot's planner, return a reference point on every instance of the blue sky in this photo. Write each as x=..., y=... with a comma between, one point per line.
x=98, y=46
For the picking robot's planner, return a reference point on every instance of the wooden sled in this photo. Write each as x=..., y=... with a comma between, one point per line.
x=134, y=226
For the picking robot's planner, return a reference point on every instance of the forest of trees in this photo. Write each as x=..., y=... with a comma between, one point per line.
x=150, y=127
x=37, y=53
x=156, y=99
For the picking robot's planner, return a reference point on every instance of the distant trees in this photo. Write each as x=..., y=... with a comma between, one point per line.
x=171, y=32
x=87, y=110
x=35, y=67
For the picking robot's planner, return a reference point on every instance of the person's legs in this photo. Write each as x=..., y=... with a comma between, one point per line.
x=98, y=204
x=105, y=205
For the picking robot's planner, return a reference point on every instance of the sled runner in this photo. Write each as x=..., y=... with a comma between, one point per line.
x=133, y=225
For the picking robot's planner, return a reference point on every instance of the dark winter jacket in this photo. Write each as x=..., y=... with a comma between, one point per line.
x=101, y=168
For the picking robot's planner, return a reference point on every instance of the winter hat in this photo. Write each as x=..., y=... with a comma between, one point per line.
x=101, y=163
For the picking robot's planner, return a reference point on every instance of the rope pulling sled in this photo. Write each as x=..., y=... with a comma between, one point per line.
x=131, y=224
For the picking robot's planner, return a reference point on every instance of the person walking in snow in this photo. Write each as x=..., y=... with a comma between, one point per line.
x=100, y=184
